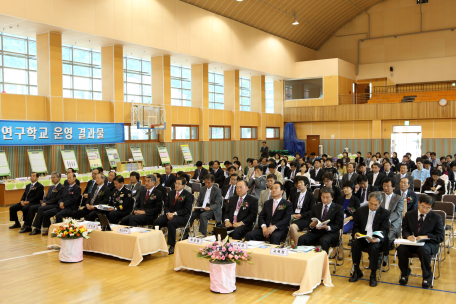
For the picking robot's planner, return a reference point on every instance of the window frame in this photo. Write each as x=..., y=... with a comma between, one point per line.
x=129, y=140
x=214, y=93
x=189, y=126
x=266, y=99
x=181, y=79
x=276, y=131
x=224, y=133
x=248, y=127
x=241, y=96
x=308, y=98
x=141, y=73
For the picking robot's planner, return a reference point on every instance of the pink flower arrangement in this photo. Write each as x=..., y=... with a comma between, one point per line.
x=318, y=249
x=224, y=251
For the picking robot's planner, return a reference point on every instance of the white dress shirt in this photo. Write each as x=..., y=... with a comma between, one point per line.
x=374, y=178
x=424, y=215
x=207, y=196
x=387, y=200
x=227, y=196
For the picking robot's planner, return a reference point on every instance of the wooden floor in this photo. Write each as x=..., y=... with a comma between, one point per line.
x=30, y=273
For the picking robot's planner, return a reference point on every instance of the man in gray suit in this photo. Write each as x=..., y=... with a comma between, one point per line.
x=395, y=205
x=351, y=176
x=135, y=186
x=208, y=205
x=257, y=183
x=403, y=174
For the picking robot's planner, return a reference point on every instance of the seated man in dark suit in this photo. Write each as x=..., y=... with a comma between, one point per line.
x=230, y=171
x=369, y=219
x=274, y=219
x=409, y=196
x=120, y=203
x=350, y=176
x=241, y=212
x=90, y=185
x=168, y=179
x=229, y=190
x=434, y=183
x=328, y=181
x=218, y=173
x=317, y=173
x=200, y=172
x=160, y=187
x=49, y=202
x=67, y=204
x=148, y=207
x=177, y=211
x=375, y=177
x=363, y=190
x=324, y=235
x=403, y=174
x=71, y=170
x=303, y=201
x=362, y=169
x=110, y=182
x=387, y=170
x=421, y=224
x=98, y=196
x=209, y=204
x=33, y=193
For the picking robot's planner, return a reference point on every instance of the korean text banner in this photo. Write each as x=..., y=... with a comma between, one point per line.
x=45, y=133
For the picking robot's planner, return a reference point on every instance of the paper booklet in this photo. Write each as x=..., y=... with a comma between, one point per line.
x=319, y=224
x=375, y=233
x=103, y=207
x=410, y=243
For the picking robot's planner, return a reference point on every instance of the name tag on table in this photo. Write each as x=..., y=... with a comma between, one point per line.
x=279, y=251
x=241, y=245
x=194, y=240
x=124, y=230
x=92, y=226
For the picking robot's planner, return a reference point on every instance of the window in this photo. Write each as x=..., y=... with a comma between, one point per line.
x=216, y=91
x=133, y=133
x=81, y=73
x=304, y=88
x=219, y=132
x=244, y=94
x=18, y=65
x=137, y=80
x=272, y=132
x=248, y=132
x=181, y=86
x=269, y=91
x=184, y=132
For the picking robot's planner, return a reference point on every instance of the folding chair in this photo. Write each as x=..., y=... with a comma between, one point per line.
x=449, y=209
x=168, y=190
x=417, y=185
x=317, y=193
x=336, y=246
x=217, y=185
x=196, y=187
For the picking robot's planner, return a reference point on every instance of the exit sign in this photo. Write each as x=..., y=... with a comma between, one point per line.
x=406, y=123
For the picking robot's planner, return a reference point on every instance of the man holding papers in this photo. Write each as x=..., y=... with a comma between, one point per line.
x=332, y=216
x=421, y=225
x=241, y=212
x=274, y=218
x=98, y=196
x=370, y=231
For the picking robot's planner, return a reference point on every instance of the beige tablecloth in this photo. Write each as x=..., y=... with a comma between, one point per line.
x=306, y=270
x=130, y=247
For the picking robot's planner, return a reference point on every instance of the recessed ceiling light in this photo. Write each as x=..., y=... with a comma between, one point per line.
x=295, y=20
x=239, y=0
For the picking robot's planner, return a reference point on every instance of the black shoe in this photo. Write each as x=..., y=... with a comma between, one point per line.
x=45, y=233
x=35, y=231
x=16, y=225
x=185, y=235
x=356, y=276
x=427, y=283
x=332, y=257
x=350, y=243
x=373, y=280
x=404, y=277
x=171, y=250
x=26, y=229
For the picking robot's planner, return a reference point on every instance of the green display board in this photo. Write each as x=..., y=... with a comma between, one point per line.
x=69, y=159
x=164, y=155
x=4, y=168
x=94, y=158
x=137, y=154
x=36, y=159
x=187, y=154
x=113, y=156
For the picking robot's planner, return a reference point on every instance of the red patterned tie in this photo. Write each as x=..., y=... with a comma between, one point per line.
x=147, y=197
x=237, y=209
x=177, y=195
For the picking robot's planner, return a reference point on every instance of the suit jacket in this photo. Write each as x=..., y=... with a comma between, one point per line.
x=33, y=195
x=432, y=227
x=337, y=194
x=352, y=179
x=451, y=176
x=285, y=171
x=378, y=181
x=247, y=215
x=428, y=184
x=200, y=175
x=90, y=184
x=152, y=206
x=256, y=186
x=102, y=196
x=225, y=191
x=354, y=203
x=219, y=177
x=369, y=189
x=168, y=182
x=135, y=190
x=111, y=187
x=359, y=160
x=335, y=215
x=318, y=176
x=264, y=151
x=391, y=174
x=264, y=196
x=163, y=191
x=70, y=198
x=397, y=180
x=54, y=194
x=282, y=215
x=183, y=204
x=396, y=209
x=307, y=205
x=412, y=204
x=215, y=201
x=380, y=223
x=65, y=183
x=122, y=199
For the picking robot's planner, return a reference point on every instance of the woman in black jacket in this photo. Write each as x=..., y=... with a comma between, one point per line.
x=284, y=169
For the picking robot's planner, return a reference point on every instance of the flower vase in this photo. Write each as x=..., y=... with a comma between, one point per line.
x=223, y=277
x=71, y=250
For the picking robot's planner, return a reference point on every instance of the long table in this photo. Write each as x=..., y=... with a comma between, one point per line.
x=131, y=247
x=306, y=270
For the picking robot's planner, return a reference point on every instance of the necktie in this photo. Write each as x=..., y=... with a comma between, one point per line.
x=238, y=206
x=231, y=192
x=325, y=212
x=420, y=222
x=28, y=192
x=147, y=196
x=50, y=191
x=274, y=207
x=166, y=178
x=363, y=195
x=199, y=173
x=292, y=175
x=370, y=221
x=350, y=176
x=177, y=195
x=94, y=197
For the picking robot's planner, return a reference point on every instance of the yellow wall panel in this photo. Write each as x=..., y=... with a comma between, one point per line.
x=319, y=128
x=86, y=110
x=36, y=107
x=105, y=18
x=346, y=129
x=387, y=127
x=126, y=110
x=228, y=119
x=297, y=103
x=441, y=128
x=303, y=129
x=182, y=29
x=427, y=128
x=122, y=17
x=39, y=10
x=103, y=111
x=56, y=108
x=183, y=115
x=316, y=102
x=377, y=129
x=17, y=8
x=63, y=13
x=333, y=128
x=69, y=109
x=84, y=15
x=330, y=90
x=169, y=18
x=362, y=129
x=139, y=22
x=194, y=116
x=155, y=23
x=13, y=107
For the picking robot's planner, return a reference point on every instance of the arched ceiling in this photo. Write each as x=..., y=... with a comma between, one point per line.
x=318, y=19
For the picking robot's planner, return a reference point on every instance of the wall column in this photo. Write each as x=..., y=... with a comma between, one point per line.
x=278, y=102
x=258, y=103
x=161, y=91
x=231, y=92
x=200, y=97
x=112, y=80
x=49, y=70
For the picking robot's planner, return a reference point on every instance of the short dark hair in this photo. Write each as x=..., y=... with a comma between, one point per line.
x=375, y=164
x=358, y=152
x=100, y=169
x=168, y=165
x=216, y=161
x=327, y=190
x=115, y=174
x=231, y=168
x=135, y=174
x=327, y=175
x=361, y=179
x=353, y=165
x=324, y=155
x=449, y=156
x=235, y=175
x=386, y=162
x=199, y=163
x=71, y=173
x=264, y=142
x=237, y=158
x=403, y=165
x=387, y=180
x=184, y=175
x=273, y=176
x=258, y=167
x=427, y=162
x=157, y=175
x=433, y=154
x=119, y=179
x=302, y=178
x=71, y=169
x=348, y=184
x=293, y=164
x=435, y=172
x=313, y=153
x=427, y=200
x=211, y=163
x=272, y=166
x=297, y=153
x=184, y=181
x=210, y=177
x=281, y=185
x=362, y=165
x=245, y=182
x=385, y=153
